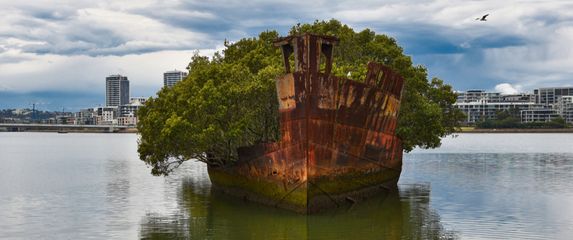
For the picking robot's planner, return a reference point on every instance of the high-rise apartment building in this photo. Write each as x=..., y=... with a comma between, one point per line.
x=170, y=78
x=116, y=90
x=549, y=96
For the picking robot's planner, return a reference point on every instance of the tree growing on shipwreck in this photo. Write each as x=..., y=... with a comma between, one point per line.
x=230, y=103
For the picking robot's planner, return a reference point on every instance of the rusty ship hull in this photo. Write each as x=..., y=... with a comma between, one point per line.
x=338, y=141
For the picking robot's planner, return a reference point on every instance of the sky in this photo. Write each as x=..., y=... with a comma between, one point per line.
x=56, y=54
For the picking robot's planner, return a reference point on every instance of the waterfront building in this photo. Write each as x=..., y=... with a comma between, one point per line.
x=544, y=105
x=116, y=90
x=564, y=106
x=125, y=115
x=69, y=120
x=85, y=117
x=482, y=110
x=107, y=115
x=61, y=120
x=170, y=78
x=127, y=121
x=130, y=110
x=479, y=105
x=538, y=115
x=520, y=97
x=477, y=95
x=549, y=96
x=493, y=97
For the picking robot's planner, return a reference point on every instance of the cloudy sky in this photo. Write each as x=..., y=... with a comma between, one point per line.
x=58, y=53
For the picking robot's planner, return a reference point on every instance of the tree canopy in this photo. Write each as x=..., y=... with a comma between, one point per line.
x=510, y=119
x=230, y=101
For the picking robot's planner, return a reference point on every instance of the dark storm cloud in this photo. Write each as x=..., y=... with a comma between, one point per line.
x=61, y=14
x=496, y=41
x=234, y=19
x=421, y=38
x=523, y=41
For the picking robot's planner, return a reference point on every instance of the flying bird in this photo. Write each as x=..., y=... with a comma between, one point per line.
x=483, y=18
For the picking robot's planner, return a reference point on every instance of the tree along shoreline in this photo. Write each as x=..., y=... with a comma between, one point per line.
x=511, y=120
x=229, y=101
x=515, y=130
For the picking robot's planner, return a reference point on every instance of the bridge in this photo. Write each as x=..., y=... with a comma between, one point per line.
x=34, y=127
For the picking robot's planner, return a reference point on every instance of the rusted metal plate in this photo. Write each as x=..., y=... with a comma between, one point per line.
x=331, y=127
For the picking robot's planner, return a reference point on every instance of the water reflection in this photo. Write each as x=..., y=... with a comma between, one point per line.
x=206, y=214
x=93, y=186
x=117, y=194
x=499, y=195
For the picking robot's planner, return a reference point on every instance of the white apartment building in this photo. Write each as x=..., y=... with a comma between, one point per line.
x=130, y=110
x=538, y=115
x=107, y=115
x=483, y=110
x=549, y=96
x=564, y=107
x=543, y=105
x=480, y=105
x=476, y=95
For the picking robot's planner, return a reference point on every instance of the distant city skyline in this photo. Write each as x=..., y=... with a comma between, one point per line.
x=49, y=52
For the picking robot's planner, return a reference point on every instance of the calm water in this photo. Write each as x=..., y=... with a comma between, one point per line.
x=476, y=186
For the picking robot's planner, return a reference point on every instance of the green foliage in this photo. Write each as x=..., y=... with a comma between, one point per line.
x=230, y=100
x=224, y=103
x=559, y=122
x=504, y=119
x=509, y=119
x=426, y=113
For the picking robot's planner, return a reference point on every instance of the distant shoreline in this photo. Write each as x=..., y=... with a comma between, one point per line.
x=463, y=130
x=63, y=128
x=518, y=130
x=73, y=131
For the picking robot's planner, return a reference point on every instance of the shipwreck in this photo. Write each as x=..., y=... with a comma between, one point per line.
x=338, y=141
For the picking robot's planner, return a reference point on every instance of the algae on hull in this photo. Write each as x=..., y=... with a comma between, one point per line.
x=337, y=135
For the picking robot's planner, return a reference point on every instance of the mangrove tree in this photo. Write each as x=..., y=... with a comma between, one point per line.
x=229, y=100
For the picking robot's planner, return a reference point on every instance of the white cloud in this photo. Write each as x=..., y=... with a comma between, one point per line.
x=522, y=41
x=87, y=74
x=506, y=88
x=94, y=31
x=73, y=44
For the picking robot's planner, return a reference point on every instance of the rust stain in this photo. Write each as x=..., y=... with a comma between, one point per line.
x=329, y=125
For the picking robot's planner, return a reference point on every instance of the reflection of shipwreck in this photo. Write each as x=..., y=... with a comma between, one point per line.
x=338, y=139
